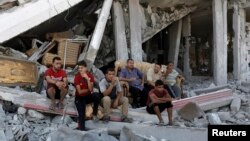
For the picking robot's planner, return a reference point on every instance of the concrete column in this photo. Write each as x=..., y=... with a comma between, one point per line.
x=135, y=30
x=174, y=40
x=98, y=32
x=186, y=33
x=239, y=45
x=220, y=41
x=119, y=32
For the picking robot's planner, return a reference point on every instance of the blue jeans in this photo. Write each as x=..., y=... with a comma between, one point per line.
x=174, y=90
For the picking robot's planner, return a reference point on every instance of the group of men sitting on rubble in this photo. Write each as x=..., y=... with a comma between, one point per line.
x=156, y=94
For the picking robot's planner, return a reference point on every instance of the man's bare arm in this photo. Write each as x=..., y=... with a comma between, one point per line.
x=81, y=91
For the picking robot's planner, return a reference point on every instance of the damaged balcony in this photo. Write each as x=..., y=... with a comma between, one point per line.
x=208, y=41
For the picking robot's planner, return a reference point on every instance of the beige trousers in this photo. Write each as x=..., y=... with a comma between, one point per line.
x=106, y=102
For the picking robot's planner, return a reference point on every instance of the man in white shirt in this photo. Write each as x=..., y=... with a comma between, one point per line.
x=153, y=74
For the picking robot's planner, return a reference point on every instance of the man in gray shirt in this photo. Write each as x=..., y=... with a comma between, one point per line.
x=112, y=95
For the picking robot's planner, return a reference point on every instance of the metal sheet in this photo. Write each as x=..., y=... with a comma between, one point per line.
x=17, y=72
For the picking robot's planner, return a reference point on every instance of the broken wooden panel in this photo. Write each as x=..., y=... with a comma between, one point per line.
x=17, y=72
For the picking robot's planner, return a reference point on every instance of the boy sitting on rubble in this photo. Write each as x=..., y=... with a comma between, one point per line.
x=57, y=85
x=84, y=93
x=158, y=101
x=112, y=95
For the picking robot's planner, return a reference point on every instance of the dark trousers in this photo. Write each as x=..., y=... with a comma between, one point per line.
x=135, y=93
x=162, y=107
x=81, y=101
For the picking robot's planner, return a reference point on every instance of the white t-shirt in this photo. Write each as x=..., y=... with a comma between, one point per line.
x=171, y=78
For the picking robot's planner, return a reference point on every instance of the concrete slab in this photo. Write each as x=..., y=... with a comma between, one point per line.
x=35, y=101
x=22, y=18
x=207, y=101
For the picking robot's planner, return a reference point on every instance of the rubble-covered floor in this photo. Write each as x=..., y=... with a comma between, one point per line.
x=38, y=126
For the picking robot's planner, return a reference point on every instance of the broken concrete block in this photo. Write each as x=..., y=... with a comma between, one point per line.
x=20, y=2
x=224, y=116
x=20, y=133
x=15, y=117
x=246, y=109
x=2, y=136
x=2, y=115
x=214, y=118
x=21, y=111
x=67, y=134
x=59, y=119
x=73, y=125
x=240, y=115
x=190, y=111
x=244, y=89
x=201, y=123
x=35, y=114
x=9, y=134
x=235, y=104
x=129, y=135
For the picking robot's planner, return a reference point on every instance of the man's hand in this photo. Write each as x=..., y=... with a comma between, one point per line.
x=132, y=79
x=113, y=80
x=59, y=84
x=84, y=75
x=65, y=84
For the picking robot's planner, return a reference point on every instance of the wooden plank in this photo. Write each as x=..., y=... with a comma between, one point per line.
x=15, y=72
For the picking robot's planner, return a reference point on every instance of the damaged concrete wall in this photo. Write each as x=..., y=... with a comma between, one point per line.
x=239, y=42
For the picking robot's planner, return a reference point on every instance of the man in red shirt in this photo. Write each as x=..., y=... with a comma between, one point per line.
x=84, y=93
x=158, y=101
x=57, y=85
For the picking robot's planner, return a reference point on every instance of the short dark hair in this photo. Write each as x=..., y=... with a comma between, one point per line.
x=82, y=63
x=159, y=83
x=130, y=59
x=56, y=58
x=109, y=69
x=170, y=62
x=157, y=63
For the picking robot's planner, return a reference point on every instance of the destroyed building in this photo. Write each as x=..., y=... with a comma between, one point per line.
x=207, y=40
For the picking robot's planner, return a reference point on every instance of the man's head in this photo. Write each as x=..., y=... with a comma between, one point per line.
x=159, y=85
x=157, y=67
x=130, y=63
x=82, y=66
x=170, y=65
x=57, y=63
x=110, y=74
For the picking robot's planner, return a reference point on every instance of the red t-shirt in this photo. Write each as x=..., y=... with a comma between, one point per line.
x=157, y=93
x=79, y=80
x=56, y=75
